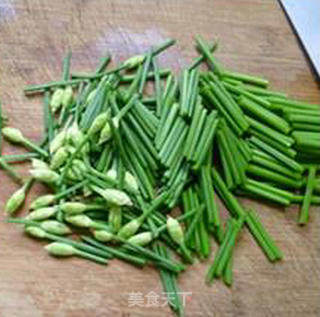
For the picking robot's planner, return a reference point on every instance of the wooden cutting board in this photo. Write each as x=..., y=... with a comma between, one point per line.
x=255, y=38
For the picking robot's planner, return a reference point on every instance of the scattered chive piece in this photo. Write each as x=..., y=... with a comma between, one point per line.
x=304, y=213
x=246, y=78
x=10, y=171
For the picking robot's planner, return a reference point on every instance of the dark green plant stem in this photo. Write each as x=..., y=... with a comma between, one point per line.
x=168, y=282
x=54, y=84
x=205, y=50
x=293, y=104
x=206, y=139
x=169, y=265
x=11, y=172
x=268, y=191
x=213, y=268
x=315, y=200
x=289, y=162
x=16, y=158
x=246, y=78
x=116, y=252
x=228, y=101
x=272, y=176
x=206, y=186
x=103, y=64
x=48, y=119
x=158, y=86
x=275, y=135
x=230, y=157
x=208, y=95
x=265, y=235
x=264, y=115
x=230, y=201
x=266, y=248
x=146, y=66
x=197, y=61
x=66, y=66
x=304, y=212
x=227, y=251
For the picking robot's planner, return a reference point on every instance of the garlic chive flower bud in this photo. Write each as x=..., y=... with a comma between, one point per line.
x=80, y=221
x=105, y=134
x=38, y=164
x=99, y=122
x=175, y=230
x=42, y=213
x=176, y=233
x=45, y=175
x=141, y=239
x=60, y=249
x=103, y=235
x=65, y=250
x=115, y=217
x=13, y=135
x=134, y=61
x=16, y=200
x=75, y=136
x=114, y=196
x=79, y=166
x=42, y=201
x=55, y=227
x=91, y=96
x=72, y=208
x=58, y=141
x=56, y=99
x=35, y=232
x=59, y=158
x=67, y=96
x=130, y=181
x=130, y=228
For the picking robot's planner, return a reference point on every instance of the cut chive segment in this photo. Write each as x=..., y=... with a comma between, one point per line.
x=264, y=115
x=304, y=212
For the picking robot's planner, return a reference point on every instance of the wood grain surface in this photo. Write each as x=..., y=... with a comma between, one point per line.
x=256, y=38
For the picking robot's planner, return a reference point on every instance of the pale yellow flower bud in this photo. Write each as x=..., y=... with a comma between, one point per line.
x=67, y=96
x=42, y=201
x=105, y=134
x=35, y=232
x=129, y=229
x=58, y=141
x=72, y=208
x=56, y=99
x=15, y=201
x=80, y=221
x=38, y=164
x=175, y=230
x=13, y=135
x=114, y=196
x=141, y=239
x=134, y=61
x=59, y=158
x=45, y=175
x=91, y=96
x=103, y=235
x=60, y=249
x=55, y=227
x=42, y=213
x=99, y=122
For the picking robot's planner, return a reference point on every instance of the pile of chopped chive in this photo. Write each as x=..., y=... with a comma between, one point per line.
x=117, y=159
